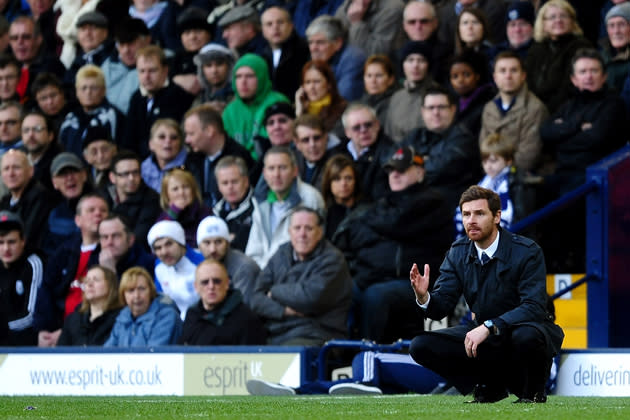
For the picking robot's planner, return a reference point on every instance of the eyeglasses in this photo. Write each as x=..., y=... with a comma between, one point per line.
x=423, y=21
x=622, y=24
x=215, y=281
x=440, y=108
x=125, y=174
x=34, y=129
x=8, y=122
x=314, y=138
x=357, y=128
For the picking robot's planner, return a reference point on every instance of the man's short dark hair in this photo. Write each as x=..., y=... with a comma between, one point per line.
x=301, y=208
x=123, y=220
x=8, y=60
x=38, y=113
x=439, y=90
x=43, y=80
x=5, y=232
x=124, y=155
x=130, y=29
x=509, y=54
x=314, y=122
x=475, y=192
x=591, y=53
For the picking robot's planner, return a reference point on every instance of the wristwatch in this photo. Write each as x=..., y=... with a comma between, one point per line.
x=494, y=330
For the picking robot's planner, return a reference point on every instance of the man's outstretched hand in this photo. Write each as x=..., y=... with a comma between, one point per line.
x=420, y=283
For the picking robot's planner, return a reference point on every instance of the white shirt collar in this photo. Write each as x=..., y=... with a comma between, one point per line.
x=355, y=154
x=491, y=250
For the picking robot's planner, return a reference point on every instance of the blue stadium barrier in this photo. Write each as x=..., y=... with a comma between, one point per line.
x=607, y=192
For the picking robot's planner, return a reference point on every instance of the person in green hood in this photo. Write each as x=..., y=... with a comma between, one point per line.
x=243, y=117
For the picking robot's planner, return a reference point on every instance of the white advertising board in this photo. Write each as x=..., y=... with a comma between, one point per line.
x=594, y=374
x=143, y=373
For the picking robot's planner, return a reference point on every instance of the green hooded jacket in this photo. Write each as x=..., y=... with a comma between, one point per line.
x=243, y=121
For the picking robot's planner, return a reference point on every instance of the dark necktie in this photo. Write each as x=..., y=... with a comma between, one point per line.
x=484, y=258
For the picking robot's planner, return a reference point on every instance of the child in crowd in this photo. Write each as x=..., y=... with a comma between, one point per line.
x=497, y=153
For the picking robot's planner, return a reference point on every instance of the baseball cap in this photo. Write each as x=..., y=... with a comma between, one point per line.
x=402, y=160
x=65, y=160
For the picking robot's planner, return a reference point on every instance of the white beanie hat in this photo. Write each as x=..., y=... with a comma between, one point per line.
x=167, y=229
x=211, y=227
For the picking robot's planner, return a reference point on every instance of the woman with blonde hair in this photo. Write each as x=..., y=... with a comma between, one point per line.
x=166, y=143
x=148, y=319
x=180, y=198
x=557, y=36
x=91, y=323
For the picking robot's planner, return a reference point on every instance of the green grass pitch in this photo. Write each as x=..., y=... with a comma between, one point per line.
x=398, y=407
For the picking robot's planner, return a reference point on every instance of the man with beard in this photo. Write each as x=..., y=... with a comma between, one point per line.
x=511, y=339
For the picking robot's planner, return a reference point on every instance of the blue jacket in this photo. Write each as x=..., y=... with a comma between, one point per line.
x=159, y=326
x=347, y=64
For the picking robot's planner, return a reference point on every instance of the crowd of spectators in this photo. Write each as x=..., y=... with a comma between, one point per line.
x=267, y=171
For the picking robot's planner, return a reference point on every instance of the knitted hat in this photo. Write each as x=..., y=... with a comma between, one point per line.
x=520, y=10
x=95, y=133
x=212, y=227
x=415, y=47
x=621, y=10
x=167, y=229
x=279, y=108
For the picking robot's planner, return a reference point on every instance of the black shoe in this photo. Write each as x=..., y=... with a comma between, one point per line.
x=483, y=394
x=538, y=398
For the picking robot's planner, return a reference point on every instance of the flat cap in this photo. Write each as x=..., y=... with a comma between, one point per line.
x=238, y=14
x=94, y=18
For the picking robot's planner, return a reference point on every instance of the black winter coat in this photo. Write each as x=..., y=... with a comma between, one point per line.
x=141, y=209
x=381, y=241
x=576, y=147
x=451, y=159
x=548, y=67
x=78, y=330
x=286, y=78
